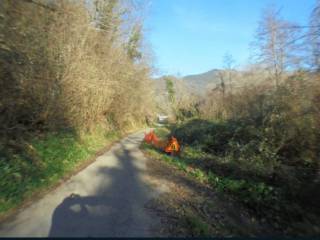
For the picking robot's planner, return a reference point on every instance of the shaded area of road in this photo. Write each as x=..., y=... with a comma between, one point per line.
x=105, y=199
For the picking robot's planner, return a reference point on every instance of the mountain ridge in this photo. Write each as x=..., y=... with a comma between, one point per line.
x=199, y=83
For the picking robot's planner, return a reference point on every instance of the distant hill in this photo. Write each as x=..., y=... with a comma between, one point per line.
x=199, y=83
x=181, y=89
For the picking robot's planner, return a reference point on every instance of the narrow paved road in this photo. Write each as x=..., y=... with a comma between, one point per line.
x=105, y=199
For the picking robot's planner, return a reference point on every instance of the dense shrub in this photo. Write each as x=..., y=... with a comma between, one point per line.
x=70, y=72
x=64, y=65
x=268, y=132
x=286, y=119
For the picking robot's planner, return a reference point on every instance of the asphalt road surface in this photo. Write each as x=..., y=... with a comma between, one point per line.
x=106, y=199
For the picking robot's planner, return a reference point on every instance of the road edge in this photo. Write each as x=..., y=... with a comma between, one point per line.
x=38, y=194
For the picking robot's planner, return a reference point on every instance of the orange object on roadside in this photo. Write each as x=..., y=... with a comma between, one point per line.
x=151, y=137
x=148, y=137
x=173, y=146
x=155, y=139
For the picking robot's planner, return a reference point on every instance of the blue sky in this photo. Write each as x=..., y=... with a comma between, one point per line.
x=192, y=36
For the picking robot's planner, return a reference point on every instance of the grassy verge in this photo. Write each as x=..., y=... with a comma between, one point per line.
x=196, y=225
x=38, y=164
x=250, y=192
x=190, y=160
x=266, y=199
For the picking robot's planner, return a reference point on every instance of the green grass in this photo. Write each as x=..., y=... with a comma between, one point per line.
x=248, y=191
x=196, y=225
x=267, y=199
x=43, y=161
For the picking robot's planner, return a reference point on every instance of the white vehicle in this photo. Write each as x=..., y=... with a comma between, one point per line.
x=162, y=118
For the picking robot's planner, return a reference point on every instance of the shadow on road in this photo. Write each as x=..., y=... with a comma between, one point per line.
x=116, y=208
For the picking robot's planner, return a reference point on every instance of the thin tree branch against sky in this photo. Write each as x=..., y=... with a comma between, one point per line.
x=191, y=36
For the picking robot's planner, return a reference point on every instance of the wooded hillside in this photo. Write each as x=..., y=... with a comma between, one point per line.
x=71, y=65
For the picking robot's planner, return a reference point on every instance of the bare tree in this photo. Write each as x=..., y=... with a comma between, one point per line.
x=275, y=44
x=68, y=67
x=222, y=83
x=314, y=37
x=228, y=62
